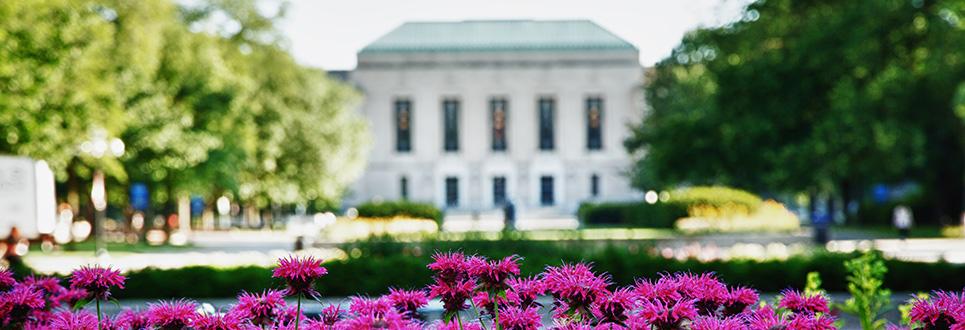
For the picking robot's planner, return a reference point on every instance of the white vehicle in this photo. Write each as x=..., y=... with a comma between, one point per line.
x=27, y=199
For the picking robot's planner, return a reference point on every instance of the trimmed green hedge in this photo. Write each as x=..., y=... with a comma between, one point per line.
x=382, y=265
x=390, y=209
x=715, y=196
x=631, y=214
x=681, y=203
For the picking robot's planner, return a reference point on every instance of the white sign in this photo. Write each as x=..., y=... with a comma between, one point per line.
x=27, y=199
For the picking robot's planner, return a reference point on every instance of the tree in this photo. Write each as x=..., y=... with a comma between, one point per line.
x=823, y=96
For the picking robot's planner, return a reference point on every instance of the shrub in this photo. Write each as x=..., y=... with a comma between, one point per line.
x=770, y=216
x=715, y=200
x=632, y=214
x=400, y=208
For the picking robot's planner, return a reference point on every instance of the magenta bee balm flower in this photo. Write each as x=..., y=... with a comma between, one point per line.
x=407, y=302
x=66, y=320
x=524, y=291
x=6, y=280
x=515, y=318
x=612, y=307
x=300, y=274
x=575, y=286
x=97, y=281
x=19, y=302
x=798, y=302
x=260, y=309
x=940, y=312
x=172, y=315
x=492, y=274
x=450, y=266
x=131, y=319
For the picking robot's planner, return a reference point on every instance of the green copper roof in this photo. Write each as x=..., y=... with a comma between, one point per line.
x=497, y=36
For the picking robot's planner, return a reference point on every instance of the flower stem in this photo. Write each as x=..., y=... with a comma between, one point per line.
x=299, y=313
x=97, y=302
x=496, y=324
x=459, y=320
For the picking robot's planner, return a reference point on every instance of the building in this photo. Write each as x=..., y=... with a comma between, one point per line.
x=470, y=114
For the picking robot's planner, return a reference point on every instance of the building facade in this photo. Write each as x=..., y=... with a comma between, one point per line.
x=469, y=115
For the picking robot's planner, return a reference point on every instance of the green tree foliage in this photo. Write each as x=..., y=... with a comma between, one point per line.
x=204, y=95
x=828, y=96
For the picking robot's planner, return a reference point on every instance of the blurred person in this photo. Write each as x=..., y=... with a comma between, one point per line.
x=902, y=219
x=10, y=251
x=509, y=215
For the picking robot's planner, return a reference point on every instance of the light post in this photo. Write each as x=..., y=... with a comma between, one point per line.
x=100, y=146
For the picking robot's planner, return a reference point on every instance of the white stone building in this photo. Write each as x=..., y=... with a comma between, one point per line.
x=469, y=114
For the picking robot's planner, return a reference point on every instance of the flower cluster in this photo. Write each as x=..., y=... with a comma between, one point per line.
x=944, y=310
x=575, y=297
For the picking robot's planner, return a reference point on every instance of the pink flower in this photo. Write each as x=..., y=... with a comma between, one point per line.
x=449, y=267
x=738, y=299
x=300, y=274
x=217, y=322
x=6, y=280
x=375, y=307
x=486, y=304
x=97, y=281
x=492, y=274
x=261, y=309
x=575, y=285
x=407, y=302
x=70, y=297
x=66, y=320
x=713, y=323
x=668, y=315
x=331, y=314
x=48, y=287
x=515, y=318
x=797, y=302
x=524, y=291
x=171, y=315
x=453, y=295
x=19, y=302
x=614, y=306
x=130, y=319
x=940, y=311
x=764, y=318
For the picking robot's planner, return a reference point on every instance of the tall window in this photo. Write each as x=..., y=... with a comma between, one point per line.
x=546, y=136
x=594, y=123
x=452, y=191
x=546, y=190
x=403, y=125
x=450, y=113
x=499, y=190
x=404, y=187
x=497, y=107
x=594, y=185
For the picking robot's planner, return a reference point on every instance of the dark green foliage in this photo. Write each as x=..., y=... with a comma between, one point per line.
x=631, y=214
x=813, y=96
x=382, y=265
x=400, y=208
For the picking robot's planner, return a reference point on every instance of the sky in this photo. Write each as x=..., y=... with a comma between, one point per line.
x=327, y=33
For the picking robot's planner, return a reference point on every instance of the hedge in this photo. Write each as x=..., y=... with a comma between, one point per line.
x=701, y=201
x=381, y=265
x=715, y=196
x=632, y=214
x=400, y=208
